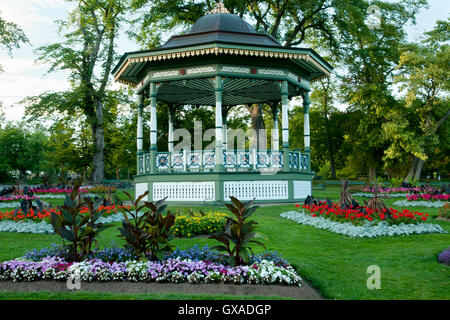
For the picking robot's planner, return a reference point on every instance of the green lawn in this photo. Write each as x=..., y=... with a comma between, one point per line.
x=334, y=264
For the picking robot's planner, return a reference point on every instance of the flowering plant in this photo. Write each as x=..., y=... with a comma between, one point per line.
x=45, y=214
x=55, y=190
x=428, y=197
x=17, y=197
x=370, y=229
x=359, y=215
x=171, y=270
x=188, y=226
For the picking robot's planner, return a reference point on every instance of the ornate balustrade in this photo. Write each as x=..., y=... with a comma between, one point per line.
x=233, y=161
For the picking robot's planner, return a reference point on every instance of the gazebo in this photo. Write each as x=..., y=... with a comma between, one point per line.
x=222, y=62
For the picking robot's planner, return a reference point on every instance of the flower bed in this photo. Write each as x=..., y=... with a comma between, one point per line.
x=266, y=268
x=17, y=197
x=389, y=195
x=361, y=215
x=189, y=226
x=38, y=223
x=61, y=191
x=38, y=216
x=391, y=190
x=370, y=229
x=428, y=197
x=429, y=204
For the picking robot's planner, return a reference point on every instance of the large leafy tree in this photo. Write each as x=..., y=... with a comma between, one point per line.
x=21, y=151
x=419, y=127
x=291, y=22
x=11, y=36
x=87, y=54
x=370, y=56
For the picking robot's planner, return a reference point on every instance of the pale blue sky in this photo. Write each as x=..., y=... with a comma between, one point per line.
x=22, y=77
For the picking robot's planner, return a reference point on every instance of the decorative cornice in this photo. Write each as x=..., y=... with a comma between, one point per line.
x=217, y=51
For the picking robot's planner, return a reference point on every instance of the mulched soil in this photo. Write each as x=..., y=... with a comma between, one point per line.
x=305, y=292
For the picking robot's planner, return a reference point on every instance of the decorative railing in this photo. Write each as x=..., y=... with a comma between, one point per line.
x=232, y=160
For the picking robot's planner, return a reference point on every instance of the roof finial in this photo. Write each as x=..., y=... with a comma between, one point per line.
x=219, y=8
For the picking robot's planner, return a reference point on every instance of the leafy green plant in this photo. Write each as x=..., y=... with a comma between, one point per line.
x=396, y=182
x=239, y=233
x=80, y=230
x=148, y=232
x=189, y=212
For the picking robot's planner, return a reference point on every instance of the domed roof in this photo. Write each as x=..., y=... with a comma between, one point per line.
x=222, y=27
x=221, y=22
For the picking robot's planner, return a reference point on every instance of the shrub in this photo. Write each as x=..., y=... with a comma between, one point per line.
x=149, y=233
x=102, y=189
x=239, y=233
x=444, y=257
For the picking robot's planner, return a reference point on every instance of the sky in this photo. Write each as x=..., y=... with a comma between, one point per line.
x=22, y=77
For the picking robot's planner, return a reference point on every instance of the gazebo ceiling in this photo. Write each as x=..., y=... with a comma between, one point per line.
x=236, y=91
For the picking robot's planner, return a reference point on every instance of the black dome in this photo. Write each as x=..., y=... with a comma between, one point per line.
x=221, y=27
x=221, y=22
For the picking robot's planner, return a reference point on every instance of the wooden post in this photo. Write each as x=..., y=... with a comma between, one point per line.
x=306, y=130
x=275, y=131
x=218, y=88
x=153, y=128
x=285, y=124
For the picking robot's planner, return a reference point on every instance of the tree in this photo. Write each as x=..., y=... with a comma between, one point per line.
x=291, y=22
x=11, y=36
x=424, y=76
x=87, y=53
x=370, y=57
x=21, y=151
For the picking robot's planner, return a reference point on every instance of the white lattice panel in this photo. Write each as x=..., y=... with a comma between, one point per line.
x=302, y=189
x=261, y=190
x=184, y=191
x=140, y=189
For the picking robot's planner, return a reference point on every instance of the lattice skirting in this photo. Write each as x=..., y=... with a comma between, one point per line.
x=261, y=190
x=140, y=189
x=302, y=189
x=184, y=191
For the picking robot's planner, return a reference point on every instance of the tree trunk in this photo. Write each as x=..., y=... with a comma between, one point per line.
x=257, y=120
x=98, y=134
x=418, y=171
x=332, y=168
x=412, y=170
x=372, y=173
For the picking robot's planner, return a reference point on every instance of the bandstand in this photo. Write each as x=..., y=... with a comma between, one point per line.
x=223, y=62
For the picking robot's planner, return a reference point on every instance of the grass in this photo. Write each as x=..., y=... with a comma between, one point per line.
x=334, y=264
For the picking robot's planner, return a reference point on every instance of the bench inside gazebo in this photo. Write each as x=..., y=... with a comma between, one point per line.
x=222, y=62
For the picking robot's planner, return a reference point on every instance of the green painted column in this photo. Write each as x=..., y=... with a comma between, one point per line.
x=306, y=129
x=153, y=127
x=218, y=89
x=275, y=131
x=170, y=136
x=285, y=124
x=139, y=137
